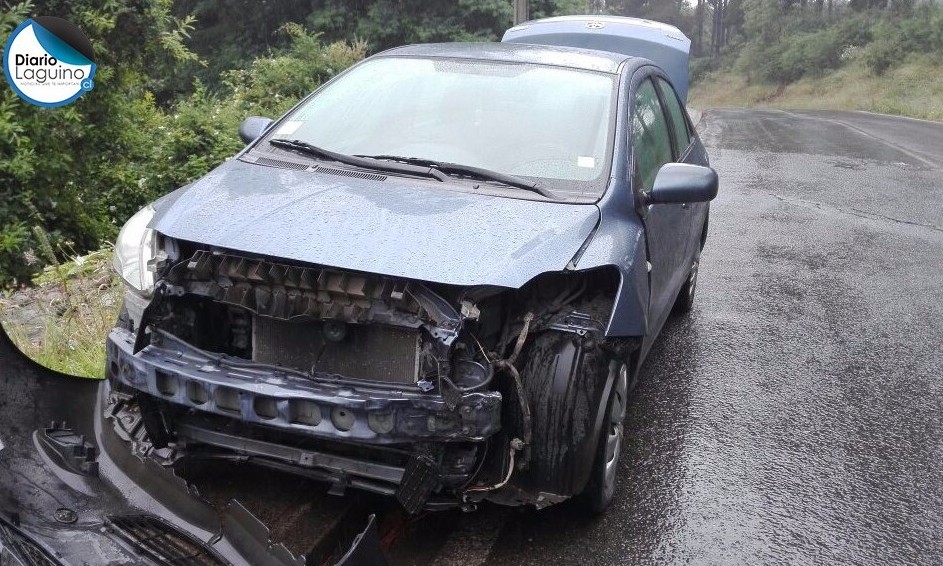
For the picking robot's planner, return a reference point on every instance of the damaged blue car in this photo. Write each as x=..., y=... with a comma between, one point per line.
x=435, y=278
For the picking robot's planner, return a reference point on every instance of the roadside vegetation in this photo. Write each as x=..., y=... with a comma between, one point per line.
x=914, y=88
x=61, y=320
x=859, y=55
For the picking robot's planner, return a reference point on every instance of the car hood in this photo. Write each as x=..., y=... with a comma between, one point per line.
x=398, y=226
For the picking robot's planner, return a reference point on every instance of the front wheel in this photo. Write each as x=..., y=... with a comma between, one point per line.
x=685, y=301
x=566, y=382
x=601, y=487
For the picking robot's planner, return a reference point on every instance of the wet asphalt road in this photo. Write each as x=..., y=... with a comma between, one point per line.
x=795, y=415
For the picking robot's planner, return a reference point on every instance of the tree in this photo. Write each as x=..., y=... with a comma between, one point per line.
x=76, y=169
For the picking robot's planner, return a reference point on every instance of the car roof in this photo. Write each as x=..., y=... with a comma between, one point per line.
x=576, y=58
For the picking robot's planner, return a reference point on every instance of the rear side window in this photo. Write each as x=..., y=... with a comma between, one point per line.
x=678, y=123
x=651, y=143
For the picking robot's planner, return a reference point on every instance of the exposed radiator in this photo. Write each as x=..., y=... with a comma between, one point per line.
x=368, y=351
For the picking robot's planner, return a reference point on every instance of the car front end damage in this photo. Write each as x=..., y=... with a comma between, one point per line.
x=386, y=384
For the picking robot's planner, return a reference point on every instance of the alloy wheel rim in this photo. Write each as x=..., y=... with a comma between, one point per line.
x=692, y=282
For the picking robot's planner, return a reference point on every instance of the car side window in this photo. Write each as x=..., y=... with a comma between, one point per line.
x=651, y=142
x=679, y=124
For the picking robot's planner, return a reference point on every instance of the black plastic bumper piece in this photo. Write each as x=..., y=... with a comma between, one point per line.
x=420, y=478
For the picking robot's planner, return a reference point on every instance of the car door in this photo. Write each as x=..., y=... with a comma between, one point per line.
x=667, y=227
x=682, y=144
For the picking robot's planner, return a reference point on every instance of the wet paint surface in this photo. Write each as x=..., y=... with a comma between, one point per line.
x=406, y=228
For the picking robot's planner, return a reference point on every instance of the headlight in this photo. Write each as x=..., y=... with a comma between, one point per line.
x=135, y=247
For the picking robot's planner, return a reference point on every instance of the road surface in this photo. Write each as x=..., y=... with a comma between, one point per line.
x=796, y=415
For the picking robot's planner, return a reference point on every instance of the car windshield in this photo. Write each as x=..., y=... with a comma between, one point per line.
x=542, y=123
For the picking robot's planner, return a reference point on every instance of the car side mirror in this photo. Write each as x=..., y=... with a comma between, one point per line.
x=680, y=183
x=252, y=127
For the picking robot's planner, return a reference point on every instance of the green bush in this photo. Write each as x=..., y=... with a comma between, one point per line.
x=81, y=170
x=784, y=46
x=70, y=169
x=897, y=38
x=806, y=47
x=700, y=67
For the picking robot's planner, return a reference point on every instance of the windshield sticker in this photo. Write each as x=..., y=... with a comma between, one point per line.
x=587, y=162
x=288, y=128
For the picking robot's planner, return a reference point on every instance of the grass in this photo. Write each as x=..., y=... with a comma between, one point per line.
x=914, y=89
x=62, y=321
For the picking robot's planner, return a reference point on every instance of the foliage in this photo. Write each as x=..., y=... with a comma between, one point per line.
x=70, y=168
x=81, y=170
x=270, y=85
x=913, y=88
x=228, y=33
x=802, y=46
x=700, y=67
x=383, y=24
x=782, y=42
x=921, y=32
x=387, y=23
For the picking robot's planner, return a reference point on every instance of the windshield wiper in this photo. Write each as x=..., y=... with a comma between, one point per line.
x=359, y=160
x=469, y=171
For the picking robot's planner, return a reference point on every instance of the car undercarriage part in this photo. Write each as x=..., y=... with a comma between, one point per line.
x=360, y=380
x=516, y=446
x=67, y=449
x=419, y=480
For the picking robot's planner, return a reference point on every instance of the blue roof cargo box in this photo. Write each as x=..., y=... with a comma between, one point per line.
x=663, y=44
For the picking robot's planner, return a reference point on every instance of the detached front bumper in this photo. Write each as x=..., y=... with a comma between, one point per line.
x=367, y=414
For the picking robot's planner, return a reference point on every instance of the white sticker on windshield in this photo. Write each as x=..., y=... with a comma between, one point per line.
x=588, y=162
x=288, y=128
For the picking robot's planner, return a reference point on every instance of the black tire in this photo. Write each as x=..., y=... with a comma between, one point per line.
x=601, y=487
x=685, y=301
